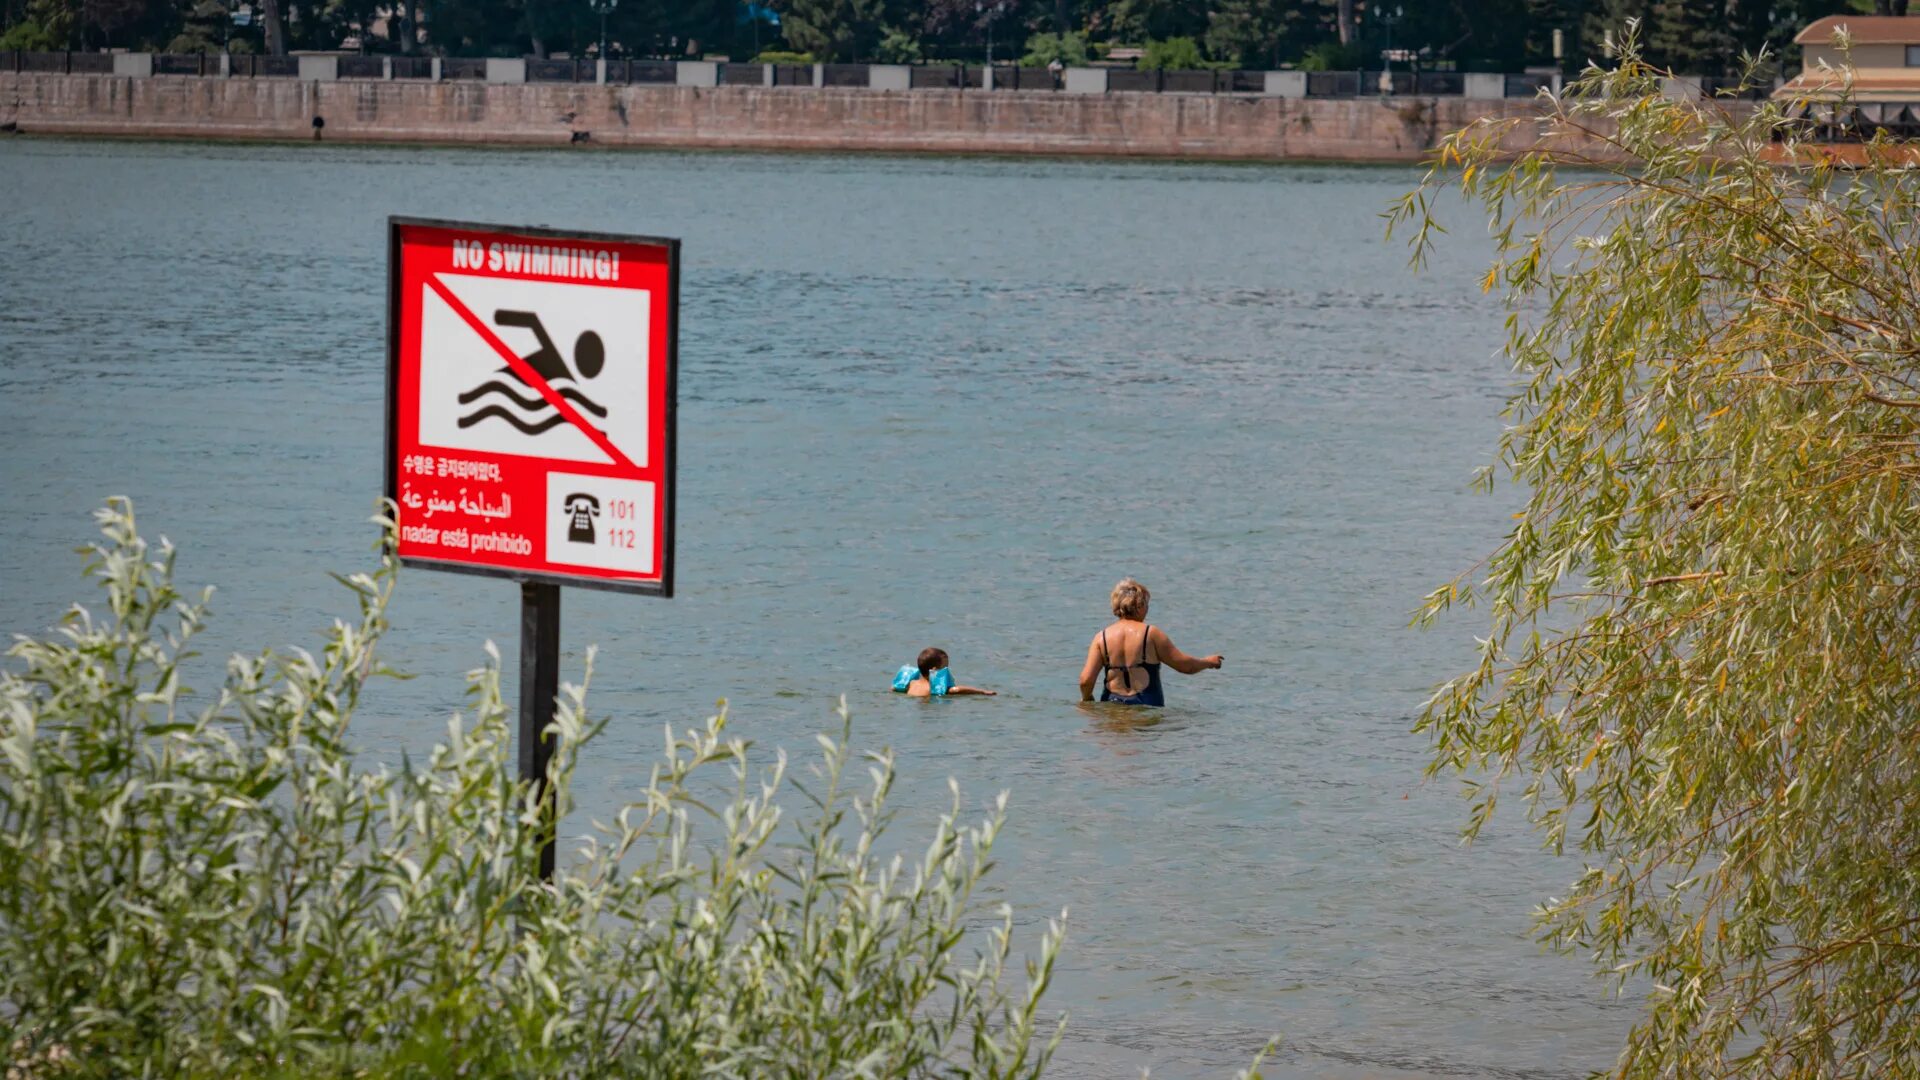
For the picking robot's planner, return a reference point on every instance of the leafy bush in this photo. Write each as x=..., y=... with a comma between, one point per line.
x=223, y=891
x=897, y=46
x=1332, y=56
x=776, y=56
x=1173, y=54
x=1044, y=49
x=1700, y=665
x=29, y=36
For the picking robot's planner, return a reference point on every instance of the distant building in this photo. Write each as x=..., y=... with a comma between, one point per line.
x=1885, y=78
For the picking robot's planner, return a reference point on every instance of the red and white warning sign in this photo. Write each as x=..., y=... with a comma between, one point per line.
x=530, y=402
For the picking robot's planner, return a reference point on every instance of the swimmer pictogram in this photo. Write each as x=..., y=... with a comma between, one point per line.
x=498, y=398
x=535, y=368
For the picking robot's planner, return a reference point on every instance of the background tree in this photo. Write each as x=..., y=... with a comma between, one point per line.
x=833, y=29
x=1172, y=54
x=960, y=28
x=109, y=22
x=1692, y=36
x=1044, y=49
x=1140, y=21
x=1251, y=32
x=202, y=30
x=1702, y=671
x=41, y=25
x=274, y=26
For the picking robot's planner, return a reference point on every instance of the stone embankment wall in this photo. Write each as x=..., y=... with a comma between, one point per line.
x=1216, y=126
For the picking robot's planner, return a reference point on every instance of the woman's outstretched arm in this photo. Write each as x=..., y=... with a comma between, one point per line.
x=956, y=691
x=1171, y=655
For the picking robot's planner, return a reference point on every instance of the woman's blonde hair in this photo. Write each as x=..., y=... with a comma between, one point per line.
x=1130, y=599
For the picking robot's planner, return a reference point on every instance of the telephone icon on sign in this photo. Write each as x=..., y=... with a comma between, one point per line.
x=581, y=510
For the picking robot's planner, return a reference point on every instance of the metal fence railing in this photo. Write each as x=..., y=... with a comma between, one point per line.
x=184, y=64
x=1333, y=83
x=1024, y=78
x=935, y=77
x=51, y=63
x=564, y=71
x=262, y=67
x=648, y=71
x=854, y=75
x=1403, y=82
x=938, y=76
x=1190, y=82
x=1523, y=86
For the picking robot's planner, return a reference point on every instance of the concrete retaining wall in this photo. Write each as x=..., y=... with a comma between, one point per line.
x=1252, y=127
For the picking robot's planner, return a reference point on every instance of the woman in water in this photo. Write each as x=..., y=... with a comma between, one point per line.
x=1130, y=653
x=930, y=677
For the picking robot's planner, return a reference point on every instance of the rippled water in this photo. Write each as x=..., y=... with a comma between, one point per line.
x=924, y=401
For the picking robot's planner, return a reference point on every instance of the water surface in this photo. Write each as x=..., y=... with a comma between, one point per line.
x=923, y=401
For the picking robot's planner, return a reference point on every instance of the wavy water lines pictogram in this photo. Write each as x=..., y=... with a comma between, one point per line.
x=499, y=398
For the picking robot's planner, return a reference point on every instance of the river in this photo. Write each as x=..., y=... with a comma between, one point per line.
x=923, y=401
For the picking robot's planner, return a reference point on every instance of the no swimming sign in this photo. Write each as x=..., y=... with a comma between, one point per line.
x=530, y=402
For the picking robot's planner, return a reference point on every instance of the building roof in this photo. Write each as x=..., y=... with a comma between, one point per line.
x=1831, y=85
x=1866, y=30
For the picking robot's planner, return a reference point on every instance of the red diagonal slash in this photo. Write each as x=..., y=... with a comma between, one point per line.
x=529, y=376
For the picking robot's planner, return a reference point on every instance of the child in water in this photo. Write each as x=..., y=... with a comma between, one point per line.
x=930, y=677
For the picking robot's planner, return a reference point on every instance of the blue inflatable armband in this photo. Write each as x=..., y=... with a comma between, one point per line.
x=938, y=683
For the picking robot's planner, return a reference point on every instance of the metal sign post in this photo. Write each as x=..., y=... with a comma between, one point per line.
x=530, y=425
x=539, y=687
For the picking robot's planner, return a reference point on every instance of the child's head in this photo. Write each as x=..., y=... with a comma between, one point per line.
x=931, y=660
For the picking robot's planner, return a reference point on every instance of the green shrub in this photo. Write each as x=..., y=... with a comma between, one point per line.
x=223, y=890
x=1173, y=54
x=897, y=46
x=29, y=36
x=1044, y=49
x=776, y=56
x=1332, y=56
x=191, y=42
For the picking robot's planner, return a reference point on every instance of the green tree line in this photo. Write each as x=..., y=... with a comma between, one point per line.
x=1697, y=36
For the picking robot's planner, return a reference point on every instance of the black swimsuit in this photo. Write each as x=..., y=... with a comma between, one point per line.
x=1150, y=695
